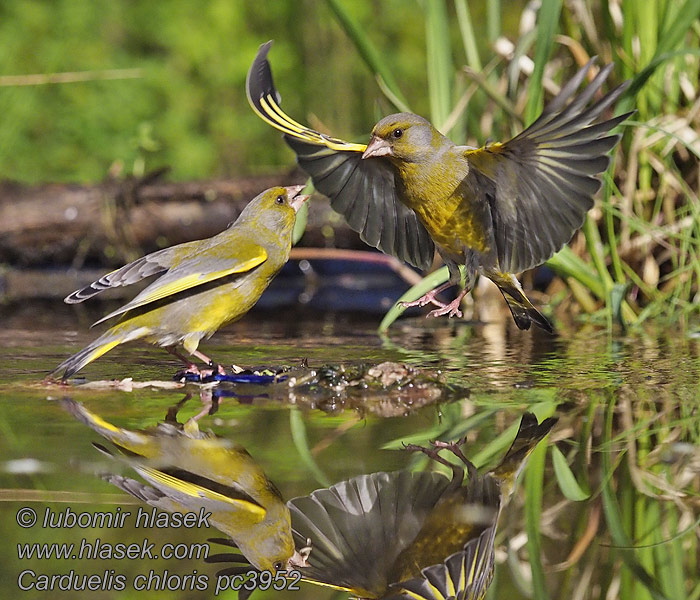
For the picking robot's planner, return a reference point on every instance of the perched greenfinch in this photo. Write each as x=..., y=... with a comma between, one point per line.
x=202, y=285
x=411, y=535
x=187, y=470
x=495, y=210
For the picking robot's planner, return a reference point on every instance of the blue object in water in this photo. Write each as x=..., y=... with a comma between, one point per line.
x=239, y=378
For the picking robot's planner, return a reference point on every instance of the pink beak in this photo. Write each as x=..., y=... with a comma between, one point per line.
x=295, y=199
x=377, y=147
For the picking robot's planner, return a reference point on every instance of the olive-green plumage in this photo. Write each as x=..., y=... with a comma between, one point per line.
x=496, y=210
x=187, y=470
x=202, y=285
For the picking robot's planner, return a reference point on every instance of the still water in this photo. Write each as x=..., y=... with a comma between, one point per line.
x=607, y=506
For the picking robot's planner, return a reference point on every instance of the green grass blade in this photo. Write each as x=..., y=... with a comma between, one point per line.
x=302, y=215
x=423, y=286
x=614, y=517
x=685, y=18
x=468, y=38
x=566, y=479
x=366, y=49
x=301, y=443
x=440, y=69
x=493, y=20
x=534, y=481
x=547, y=21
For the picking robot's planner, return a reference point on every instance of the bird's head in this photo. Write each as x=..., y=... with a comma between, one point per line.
x=403, y=137
x=275, y=209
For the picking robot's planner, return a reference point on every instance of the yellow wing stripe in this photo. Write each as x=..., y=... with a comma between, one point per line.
x=270, y=105
x=96, y=354
x=280, y=120
x=451, y=591
x=472, y=571
x=197, y=491
x=187, y=282
x=325, y=584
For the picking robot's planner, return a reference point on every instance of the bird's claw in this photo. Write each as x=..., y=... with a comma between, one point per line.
x=215, y=369
x=428, y=298
x=451, y=310
x=431, y=452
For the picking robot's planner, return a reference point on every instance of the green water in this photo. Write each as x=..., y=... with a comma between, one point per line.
x=629, y=425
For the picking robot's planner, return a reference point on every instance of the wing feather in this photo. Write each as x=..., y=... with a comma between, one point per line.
x=541, y=184
x=146, y=266
x=198, y=270
x=363, y=191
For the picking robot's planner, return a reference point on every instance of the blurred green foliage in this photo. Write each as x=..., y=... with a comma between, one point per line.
x=187, y=109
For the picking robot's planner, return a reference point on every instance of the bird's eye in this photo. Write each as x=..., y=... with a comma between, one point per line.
x=278, y=565
x=279, y=200
x=397, y=133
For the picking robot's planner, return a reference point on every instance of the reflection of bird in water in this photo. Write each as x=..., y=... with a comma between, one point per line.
x=411, y=535
x=188, y=470
x=201, y=286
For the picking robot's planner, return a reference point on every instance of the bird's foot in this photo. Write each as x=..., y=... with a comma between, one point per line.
x=217, y=368
x=430, y=452
x=453, y=447
x=434, y=453
x=192, y=369
x=451, y=309
x=429, y=298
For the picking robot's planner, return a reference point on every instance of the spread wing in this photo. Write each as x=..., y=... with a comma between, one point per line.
x=540, y=184
x=466, y=574
x=203, y=267
x=363, y=191
x=358, y=527
x=151, y=264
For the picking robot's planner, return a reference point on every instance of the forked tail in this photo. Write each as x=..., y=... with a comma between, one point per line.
x=529, y=435
x=523, y=311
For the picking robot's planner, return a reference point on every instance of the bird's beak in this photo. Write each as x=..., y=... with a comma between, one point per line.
x=378, y=147
x=296, y=200
x=300, y=558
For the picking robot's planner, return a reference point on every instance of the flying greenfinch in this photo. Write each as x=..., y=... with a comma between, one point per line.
x=495, y=210
x=187, y=471
x=409, y=534
x=202, y=285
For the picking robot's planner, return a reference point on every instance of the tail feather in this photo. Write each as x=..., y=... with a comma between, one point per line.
x=530, y=433
x=93, y=351
x=523, y=311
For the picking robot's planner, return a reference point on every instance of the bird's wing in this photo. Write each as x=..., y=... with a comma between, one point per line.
x=363, y=191
x=358, y=527
x=151, y=264
x=203, y=267
x=466, y=574
x=540, y=184
x=190, y=489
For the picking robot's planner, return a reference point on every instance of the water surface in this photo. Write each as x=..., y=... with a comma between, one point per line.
x=629, y=422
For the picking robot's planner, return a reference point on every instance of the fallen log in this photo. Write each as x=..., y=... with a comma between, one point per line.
x=111, y=223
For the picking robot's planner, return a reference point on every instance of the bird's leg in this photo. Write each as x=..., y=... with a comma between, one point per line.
x=434, y=453
x=215, y=367
x=191, y=367
x=454, y=447
x=451, y=309
x=171, y=415
x=429, y=297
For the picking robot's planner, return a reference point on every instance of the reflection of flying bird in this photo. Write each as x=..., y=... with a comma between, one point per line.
x=411, y=535
x=187, y=470
x=202, y=285
x=497, y=210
